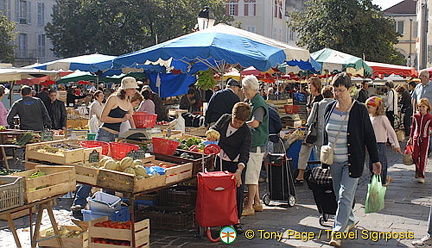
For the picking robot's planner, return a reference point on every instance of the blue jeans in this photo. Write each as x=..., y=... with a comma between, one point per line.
x=381, y=147
x=344, y=188
x=104, y=135
x=84, y=190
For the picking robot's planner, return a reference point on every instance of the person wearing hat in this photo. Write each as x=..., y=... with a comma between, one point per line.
x=117, y=109
x=222, y=102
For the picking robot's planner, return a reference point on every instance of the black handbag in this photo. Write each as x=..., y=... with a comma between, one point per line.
x=312, y=132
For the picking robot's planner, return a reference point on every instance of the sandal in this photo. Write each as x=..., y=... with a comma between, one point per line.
x=298, y=182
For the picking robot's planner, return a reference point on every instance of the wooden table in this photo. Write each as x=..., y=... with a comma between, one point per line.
x=34, y=236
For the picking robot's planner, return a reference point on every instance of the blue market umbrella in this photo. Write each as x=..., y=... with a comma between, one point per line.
x=98, y=64
x=219, y=48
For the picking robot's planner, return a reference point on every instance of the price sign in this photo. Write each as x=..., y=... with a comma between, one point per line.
x=136, y=154
x=94, y=156
x=47, y=135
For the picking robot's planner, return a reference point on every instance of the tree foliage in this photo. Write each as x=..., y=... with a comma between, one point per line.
x=357, y=27
x=7, y=37
x=121, y=26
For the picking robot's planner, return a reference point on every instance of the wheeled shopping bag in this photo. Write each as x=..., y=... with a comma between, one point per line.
x=216, y=203
x=319, y=180
x=280, y=179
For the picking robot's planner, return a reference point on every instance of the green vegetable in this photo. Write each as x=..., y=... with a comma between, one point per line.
x=206, y=79
x=25, y=139
x=37, y=174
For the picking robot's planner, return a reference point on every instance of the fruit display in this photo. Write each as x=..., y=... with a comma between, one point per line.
x=114, y=224
x=111, y=242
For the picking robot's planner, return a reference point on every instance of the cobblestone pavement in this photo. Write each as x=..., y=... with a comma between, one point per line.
x=406, y=210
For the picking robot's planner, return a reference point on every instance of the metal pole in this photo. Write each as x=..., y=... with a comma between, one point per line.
x=410, y=41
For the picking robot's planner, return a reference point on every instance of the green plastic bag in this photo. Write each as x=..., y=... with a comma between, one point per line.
x=375, y=196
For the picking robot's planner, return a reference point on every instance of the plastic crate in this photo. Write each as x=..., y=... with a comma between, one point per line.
x=120, y=150
x=11, y=191
x=103, y=202
x=164, y=146
x=144, y=120
x=92, y=144
x=91, y=136
x=291, y=109
x=121, y=215
x=172, y=218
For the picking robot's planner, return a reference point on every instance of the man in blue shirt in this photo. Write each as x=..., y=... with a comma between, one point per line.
x=422, y=90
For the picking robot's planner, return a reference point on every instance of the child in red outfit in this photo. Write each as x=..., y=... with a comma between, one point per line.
x=419, y=137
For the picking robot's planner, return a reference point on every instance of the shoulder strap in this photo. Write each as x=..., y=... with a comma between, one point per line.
x=346, y=116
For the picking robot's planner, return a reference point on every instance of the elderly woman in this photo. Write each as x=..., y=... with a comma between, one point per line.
x=348, y=129
x=235, y=140
x=259, y=122
x=305, y=149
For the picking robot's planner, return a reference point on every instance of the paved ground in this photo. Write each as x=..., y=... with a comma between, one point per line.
x=406, y=210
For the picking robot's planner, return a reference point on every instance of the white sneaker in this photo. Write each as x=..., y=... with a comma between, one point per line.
x=426, y=240
x=420, y=180
x=335, y=242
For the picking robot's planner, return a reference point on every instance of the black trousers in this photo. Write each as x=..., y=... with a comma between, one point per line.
x=390, y=116
x=232, y=167
x=407, y=121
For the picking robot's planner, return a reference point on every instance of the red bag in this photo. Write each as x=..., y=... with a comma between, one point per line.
x=216, y=203
x=407, y=155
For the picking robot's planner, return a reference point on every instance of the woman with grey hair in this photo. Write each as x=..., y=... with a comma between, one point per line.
x=348, y=130
x=259, y=122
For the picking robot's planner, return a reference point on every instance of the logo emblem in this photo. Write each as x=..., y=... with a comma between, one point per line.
x=228, y=235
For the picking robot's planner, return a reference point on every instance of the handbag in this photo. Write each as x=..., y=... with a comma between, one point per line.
x=407, y=155
x=312, y=132
x=327, y=153
x=400, y=135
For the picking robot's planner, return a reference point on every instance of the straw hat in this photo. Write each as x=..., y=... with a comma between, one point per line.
x=129, y=83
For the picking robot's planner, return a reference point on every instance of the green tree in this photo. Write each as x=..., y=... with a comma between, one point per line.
x=120, y=26
x=7, y=37
x=357, y=27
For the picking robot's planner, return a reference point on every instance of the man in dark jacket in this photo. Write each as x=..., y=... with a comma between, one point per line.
x=57, y=111
x=43, y=95
x=222, y=102
x=363, y=94
x=31, y=111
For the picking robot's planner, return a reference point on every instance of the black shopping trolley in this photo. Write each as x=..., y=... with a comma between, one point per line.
x=280, y=179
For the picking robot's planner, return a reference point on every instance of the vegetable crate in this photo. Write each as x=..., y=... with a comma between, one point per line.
x=193, y=157
x=11, y=192
x=125, y=182
x=86, y=174
x=72, y=241
x=177, y=218
x=38, y=151
x=113, y=235
x=57, y=180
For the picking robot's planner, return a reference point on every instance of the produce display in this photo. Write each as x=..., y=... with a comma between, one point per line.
x=115, y=224
x=111, y=241
x=191, y=144
x=64, y=233
x=57, y=149
x=28, y=137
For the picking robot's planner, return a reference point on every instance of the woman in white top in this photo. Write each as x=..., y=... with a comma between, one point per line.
x=96, y=111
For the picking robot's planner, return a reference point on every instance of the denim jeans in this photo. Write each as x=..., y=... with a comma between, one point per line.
x=104, y=135
x=84, y=190
x=344, y=188
x=382, y=150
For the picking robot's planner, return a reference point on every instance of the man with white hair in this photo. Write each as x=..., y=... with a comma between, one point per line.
x=259, y=122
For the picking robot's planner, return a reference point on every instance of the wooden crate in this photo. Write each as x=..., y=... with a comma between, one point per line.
x=87, y=152
x=178, y=173
x=86, y=174
x=68, y=157
x=196, y=160
x=124, y=182
x=18, y=214
x=57, y=180
x=77, y=242
x=197, y=131
x=142, y=234
x=30, y=165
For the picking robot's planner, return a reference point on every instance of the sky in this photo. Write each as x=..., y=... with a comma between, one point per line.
x=386, y=3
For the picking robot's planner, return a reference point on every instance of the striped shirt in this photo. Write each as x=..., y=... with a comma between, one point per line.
x=332, y=128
